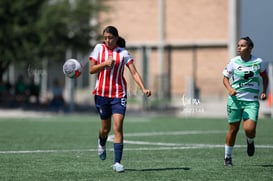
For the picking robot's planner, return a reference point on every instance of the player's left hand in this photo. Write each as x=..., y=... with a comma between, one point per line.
x=147, y=92
x=263, y=96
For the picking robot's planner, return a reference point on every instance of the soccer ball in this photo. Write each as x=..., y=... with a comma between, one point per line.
x=72, y=68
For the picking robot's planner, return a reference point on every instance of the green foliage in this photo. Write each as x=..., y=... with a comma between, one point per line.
x=65, y=25
x=33, y=30
x=18, y=36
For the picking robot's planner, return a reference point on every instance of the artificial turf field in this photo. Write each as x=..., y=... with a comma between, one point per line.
x=156, y=148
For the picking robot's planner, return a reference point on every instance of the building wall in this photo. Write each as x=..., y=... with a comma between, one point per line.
x=186, y=22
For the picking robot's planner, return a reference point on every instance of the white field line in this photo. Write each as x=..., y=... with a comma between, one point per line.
x=194, y=146
x=46, y=151
x=111, y=137
x=174, y=133
x=164, y=146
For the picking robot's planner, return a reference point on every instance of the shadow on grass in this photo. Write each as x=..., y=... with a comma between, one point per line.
x=269, y=165
x=157, y=169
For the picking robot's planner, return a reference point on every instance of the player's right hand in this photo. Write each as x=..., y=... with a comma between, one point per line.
x=232, y=92
x=110, y=62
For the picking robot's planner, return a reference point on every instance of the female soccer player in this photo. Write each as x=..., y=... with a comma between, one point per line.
x=243, y=100
x=108, y=61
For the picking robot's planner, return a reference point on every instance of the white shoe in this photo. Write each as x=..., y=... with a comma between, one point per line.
x=117, y=167
x=101, y=151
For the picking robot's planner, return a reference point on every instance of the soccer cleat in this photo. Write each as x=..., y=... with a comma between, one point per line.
x=101, y=151
x=117, y=167
x=228, y=161
x=250, y=148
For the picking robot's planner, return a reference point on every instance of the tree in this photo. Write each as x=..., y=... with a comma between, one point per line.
x=43, y=29
x=16, y=34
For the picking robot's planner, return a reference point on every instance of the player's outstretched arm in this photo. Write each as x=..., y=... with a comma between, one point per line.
x=138, y=79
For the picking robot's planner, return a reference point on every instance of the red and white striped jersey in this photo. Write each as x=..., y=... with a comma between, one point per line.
x=111, y=82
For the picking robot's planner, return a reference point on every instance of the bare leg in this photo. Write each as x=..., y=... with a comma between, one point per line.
x=105, y=128
x=230, y=142
x=232, y=133
x=118, y=127
x=250, y=128
x=250, y=131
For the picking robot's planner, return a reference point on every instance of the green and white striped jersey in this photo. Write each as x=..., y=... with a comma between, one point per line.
x=245, y=76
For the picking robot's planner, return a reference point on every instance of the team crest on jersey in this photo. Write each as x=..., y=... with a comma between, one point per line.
x=255, y=67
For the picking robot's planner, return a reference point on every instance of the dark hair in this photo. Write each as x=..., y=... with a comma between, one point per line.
x=121, y=42
x=113, y=30
x=248, y=40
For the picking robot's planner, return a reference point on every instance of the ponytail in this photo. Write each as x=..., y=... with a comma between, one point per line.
x=121, y=42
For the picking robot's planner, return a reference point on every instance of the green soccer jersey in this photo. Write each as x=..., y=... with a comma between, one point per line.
x=245, y=76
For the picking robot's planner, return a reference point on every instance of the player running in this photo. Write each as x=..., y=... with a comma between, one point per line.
x=108, y=60
x=243, y=99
